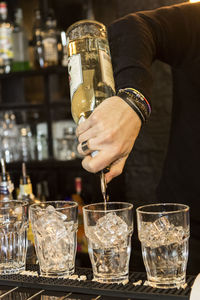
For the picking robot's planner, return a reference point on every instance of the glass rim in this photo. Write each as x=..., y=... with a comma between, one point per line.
x=21, y=202
x=74, y=204
x=86, y=207
x=75, y=24
x=183, y=207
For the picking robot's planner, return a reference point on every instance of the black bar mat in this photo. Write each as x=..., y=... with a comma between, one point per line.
x=90, y=287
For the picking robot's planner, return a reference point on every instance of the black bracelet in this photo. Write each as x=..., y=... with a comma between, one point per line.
x=137, y=102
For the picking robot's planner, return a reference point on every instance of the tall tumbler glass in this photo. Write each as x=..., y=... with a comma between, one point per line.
x=108, y=228
x=164, y=232
x=54, y=225
x=13, y=236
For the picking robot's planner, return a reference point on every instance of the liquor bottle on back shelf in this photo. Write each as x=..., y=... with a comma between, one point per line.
x=50, y=40
x=6, y=42
x=26, y=194
x=25, y=187
x=6, y=185
x=90, y=71
x=20, y=44
x=77, y=197
x=38, y=39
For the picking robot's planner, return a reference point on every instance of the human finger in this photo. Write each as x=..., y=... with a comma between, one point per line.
x=115, y=169
x=83, y=126
x=100, y=161
x=85, y=147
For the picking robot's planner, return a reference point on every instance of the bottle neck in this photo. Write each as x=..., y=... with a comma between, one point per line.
x=38, y=24
x=19, y=18
x=51, y=24
x=6, y=185
x=78, y=185
x=6, y=189
x=25, y=186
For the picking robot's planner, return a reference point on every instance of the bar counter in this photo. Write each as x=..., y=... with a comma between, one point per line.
x=30, y=285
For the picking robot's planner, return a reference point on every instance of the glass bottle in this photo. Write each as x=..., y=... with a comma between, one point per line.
x=50, y=41
x=9, y=137
x=42, y=147
x=66, y=146
x=77, y=197
x=25, y=187
x=37, y=39
x=26, y=194
x=6, y=42
x=20, y=44
x=89, y=67
x=26, y=143
x=90, y=72
x=6, y=185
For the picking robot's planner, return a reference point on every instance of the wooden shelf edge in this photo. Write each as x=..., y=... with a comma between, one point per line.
x=35, y=72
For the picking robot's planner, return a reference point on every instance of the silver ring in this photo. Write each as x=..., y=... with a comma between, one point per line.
x=84, y=146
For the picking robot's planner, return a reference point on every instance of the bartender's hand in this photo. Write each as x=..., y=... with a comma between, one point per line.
x=111, y=129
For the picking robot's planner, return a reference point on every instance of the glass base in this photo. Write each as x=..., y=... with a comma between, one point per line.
x=108, y=279
x=56, y=274
x=7, y=270
x=167, y=283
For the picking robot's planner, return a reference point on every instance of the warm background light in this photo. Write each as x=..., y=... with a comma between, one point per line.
x=194, y=1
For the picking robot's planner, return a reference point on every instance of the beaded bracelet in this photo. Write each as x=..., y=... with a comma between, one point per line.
x=137, y=102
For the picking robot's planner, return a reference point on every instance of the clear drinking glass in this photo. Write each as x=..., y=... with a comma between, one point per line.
x=108, y=228
x=54, y=225
x=13, y=236
x=164, y=232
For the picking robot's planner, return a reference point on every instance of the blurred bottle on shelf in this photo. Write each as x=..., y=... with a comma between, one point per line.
x=17, y=141
x=20, y=44
x=50, y=40
x=66, y=146
x=42, y=191
x=26, y=144
x=47, y=40
x=77, y=197
x=42, y=147
x=6, y=41
x=9, y=137
x=42, y=141
x=6, y=185
x=25, y=187
x=64, y=56
x=37, y=33
x=26, y=194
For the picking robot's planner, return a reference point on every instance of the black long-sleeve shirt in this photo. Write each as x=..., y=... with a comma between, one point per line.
x=170, y=34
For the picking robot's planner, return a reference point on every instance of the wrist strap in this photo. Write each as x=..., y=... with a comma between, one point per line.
x=137, y=102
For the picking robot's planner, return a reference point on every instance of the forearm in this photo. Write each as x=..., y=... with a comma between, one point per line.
x=170, y=34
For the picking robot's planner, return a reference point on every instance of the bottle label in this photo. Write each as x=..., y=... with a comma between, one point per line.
x=25, y=189
x=50, y=50
x=6, y=51
x=106, y=69
x=78, y=185
x=75, y=73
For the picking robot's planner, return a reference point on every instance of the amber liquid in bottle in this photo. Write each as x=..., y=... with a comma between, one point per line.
x=93, y=84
